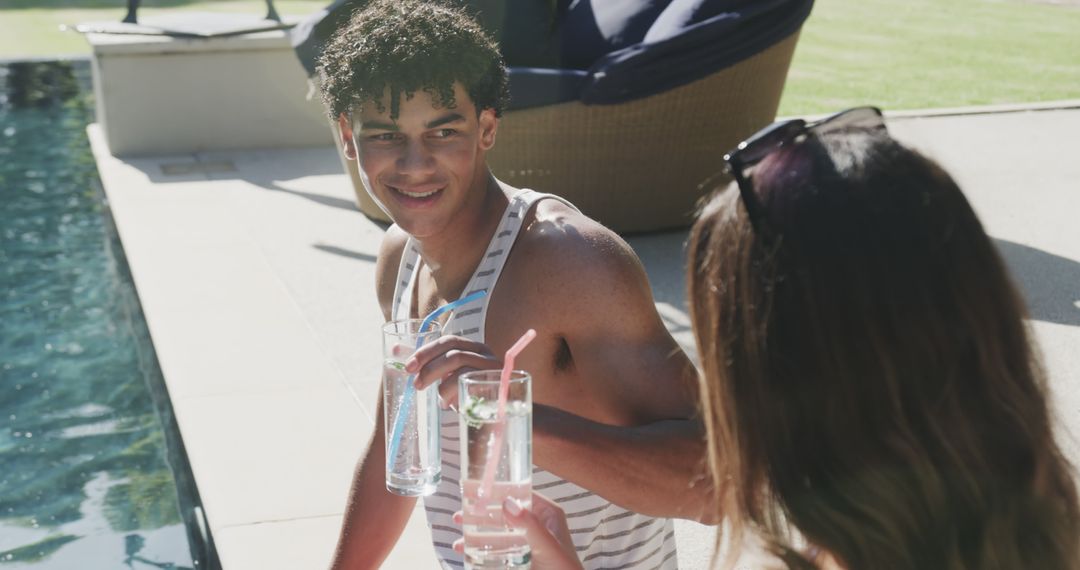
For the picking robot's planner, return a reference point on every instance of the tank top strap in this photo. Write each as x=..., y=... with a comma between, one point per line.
x=470, y=322
x=401, y=308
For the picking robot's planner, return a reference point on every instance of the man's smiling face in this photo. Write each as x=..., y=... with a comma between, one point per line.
x=427, y=165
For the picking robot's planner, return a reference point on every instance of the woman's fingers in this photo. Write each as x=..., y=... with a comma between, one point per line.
x=553, y=517
x=545, y=529
x=547, y=532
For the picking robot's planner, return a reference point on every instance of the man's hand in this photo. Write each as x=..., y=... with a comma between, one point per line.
x=445, y=359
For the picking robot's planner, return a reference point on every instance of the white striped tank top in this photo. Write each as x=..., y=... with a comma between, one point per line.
x=605, y=535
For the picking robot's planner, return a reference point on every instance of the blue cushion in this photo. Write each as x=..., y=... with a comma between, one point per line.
x=590, y=29
x=604, y=51
x=681, y=14
x=696, y=51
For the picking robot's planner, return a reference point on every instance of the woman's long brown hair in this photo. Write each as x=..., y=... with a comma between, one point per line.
x=867, y=377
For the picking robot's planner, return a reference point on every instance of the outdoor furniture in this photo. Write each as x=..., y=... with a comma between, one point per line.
x=132, y=16
x=635, y=138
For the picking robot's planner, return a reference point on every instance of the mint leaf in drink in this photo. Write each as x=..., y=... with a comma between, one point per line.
x=478, y=410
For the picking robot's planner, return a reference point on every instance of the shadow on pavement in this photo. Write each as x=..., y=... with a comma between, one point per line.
x=346, y=252
x=1050, y=283
x=331, y=201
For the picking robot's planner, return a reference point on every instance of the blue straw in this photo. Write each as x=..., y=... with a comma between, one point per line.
x=407, y=398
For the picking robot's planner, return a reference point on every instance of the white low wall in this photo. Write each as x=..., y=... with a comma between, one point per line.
x=165, y=95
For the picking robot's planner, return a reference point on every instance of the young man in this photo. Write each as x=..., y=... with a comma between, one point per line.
x=417, y=89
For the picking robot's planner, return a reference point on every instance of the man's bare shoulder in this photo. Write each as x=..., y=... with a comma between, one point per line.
x=560, y=242
x=386, y=266
x=559, y=231
x=582, y=283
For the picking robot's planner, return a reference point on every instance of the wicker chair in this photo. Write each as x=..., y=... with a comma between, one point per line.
x=642, y=163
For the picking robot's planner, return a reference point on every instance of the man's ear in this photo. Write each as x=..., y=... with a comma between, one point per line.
x=348, y=145
x=489, y=123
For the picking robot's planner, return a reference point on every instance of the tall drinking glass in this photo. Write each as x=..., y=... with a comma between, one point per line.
x=413, y=462
x=489, y=541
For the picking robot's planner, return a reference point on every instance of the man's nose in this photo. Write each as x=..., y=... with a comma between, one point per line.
x=416, y=158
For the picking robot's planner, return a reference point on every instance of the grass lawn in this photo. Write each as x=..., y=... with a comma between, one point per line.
x=31, y=28
x=916, y=54
x=898, y=54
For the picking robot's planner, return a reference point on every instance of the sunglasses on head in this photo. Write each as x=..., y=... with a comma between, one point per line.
x=753, y=150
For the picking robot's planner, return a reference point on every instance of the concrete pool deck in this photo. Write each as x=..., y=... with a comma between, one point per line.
x=255, y=273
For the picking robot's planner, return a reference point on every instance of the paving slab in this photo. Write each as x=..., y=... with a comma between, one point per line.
x=256, y=276
x=1018, y=167
x=256, y=279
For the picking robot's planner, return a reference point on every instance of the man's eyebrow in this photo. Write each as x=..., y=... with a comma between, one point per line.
x=445, y=120
x=377, y=126
x=383, y=126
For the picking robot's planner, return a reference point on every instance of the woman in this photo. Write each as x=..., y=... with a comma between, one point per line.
x=871, y=395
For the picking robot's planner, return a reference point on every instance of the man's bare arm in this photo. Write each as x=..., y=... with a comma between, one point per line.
x=657, y=469
x=374, y=517
x=627, y=425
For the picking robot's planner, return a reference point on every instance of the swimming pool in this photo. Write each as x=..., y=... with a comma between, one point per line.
x=90, y=459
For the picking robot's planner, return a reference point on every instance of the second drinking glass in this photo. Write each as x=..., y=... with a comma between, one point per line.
x=496, y=463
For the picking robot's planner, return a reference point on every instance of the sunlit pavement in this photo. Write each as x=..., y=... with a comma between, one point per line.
x=256, y=275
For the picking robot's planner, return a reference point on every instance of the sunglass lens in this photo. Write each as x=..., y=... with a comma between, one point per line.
x=869, y=118
x=764, y=142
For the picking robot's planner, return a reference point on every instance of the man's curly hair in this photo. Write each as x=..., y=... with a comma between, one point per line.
x=408, y=46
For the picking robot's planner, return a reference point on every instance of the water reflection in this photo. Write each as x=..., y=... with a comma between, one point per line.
x=91, y=540
x=84, y=458
x=38, y=84
x=133, y=545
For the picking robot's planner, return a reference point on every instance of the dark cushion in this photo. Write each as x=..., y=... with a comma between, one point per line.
x=536, y=87
x=681, y=14
x=590, y=29
x=604, y=51
x=569, y=34
x=525, y=29
x=698, y=50
x=309, y=37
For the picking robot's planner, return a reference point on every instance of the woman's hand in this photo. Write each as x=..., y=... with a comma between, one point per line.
x=546, y=530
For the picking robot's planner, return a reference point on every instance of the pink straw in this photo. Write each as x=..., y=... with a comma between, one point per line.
x=500, y=421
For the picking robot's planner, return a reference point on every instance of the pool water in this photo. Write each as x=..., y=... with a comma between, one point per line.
x=89, y=460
